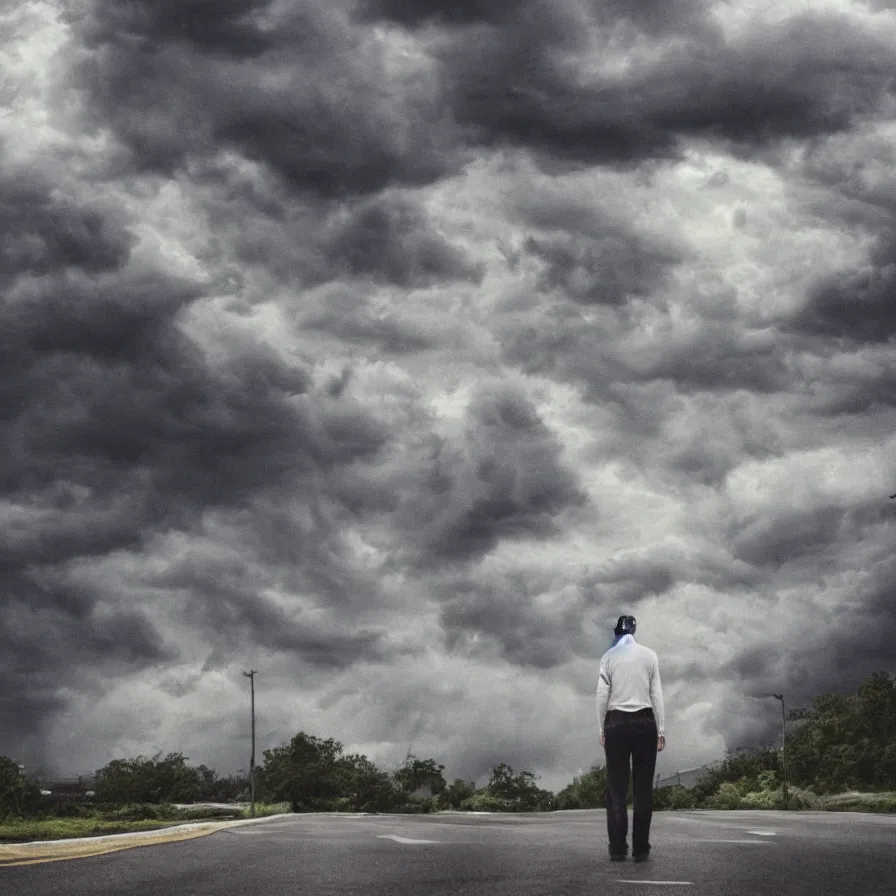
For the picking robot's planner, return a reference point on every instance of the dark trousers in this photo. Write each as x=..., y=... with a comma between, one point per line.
x=630, y=742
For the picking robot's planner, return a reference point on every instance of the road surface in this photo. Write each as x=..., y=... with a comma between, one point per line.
x=551, y=854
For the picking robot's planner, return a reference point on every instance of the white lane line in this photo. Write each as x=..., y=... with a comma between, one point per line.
x=661, y=883
x=763, y=833
x=403, y=839
x=754, y=842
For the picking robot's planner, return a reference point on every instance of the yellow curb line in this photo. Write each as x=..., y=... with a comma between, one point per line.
x=14, y=855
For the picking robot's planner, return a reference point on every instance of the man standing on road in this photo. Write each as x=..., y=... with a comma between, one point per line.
x=630, y=715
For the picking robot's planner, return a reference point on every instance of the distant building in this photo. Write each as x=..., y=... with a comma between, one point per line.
x=687, y=777
x=67, y=790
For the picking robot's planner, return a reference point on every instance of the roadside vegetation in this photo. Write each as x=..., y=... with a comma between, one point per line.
x=840, y=757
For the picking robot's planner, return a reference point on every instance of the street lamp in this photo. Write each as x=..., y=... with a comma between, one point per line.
x=783, y=736
x=251, y=677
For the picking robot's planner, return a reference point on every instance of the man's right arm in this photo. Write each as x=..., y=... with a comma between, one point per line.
x=656, y=698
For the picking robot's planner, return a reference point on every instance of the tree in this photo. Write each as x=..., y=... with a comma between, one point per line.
x=455, y=793
x=518, y=791
x=309, y=773
x=155, y=780
x=19, y=794
x=586, y=792
x=415, y=773
x=370, y=789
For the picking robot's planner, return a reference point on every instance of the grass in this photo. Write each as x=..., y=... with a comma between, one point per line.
x=858, y=802
x=99, y=824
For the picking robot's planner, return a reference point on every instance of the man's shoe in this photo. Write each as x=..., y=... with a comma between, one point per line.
x=641, y=857
x=617, y=856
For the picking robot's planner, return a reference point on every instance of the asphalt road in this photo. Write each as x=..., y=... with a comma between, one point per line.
x=554, y=854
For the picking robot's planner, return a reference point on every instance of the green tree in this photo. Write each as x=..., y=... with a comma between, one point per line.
x=19, y=794
x=519, y=792
x=415, y=773
x=154, y=780
x=586, y=792
x=309, y=773
x=455, y=794
x=369, y=788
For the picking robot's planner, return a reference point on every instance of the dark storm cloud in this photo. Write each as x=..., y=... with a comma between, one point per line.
x=117, y=426
x=857, y=641
x=41, y=232
x=650, y=16
x=855, y=305
x=605, y=271
x=506, y=614
x=775, y=539
x=229, y=27
x=393, y=240
x=711, y=356
x=226, y=603
x=347, y=314
x=587, y=253
x=811, y=75
x=317, y=106
x=52, y=631
x=415, y=13
x=503, y=479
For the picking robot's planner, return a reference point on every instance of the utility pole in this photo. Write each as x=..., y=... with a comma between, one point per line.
x=783, y=736
x=251, y=677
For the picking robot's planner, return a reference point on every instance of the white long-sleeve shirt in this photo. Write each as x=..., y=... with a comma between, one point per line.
x=629, y=680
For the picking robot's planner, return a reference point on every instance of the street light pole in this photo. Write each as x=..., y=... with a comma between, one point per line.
x=251, y=677
x=783, y=737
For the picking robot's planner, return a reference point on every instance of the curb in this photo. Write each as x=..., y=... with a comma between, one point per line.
x=37, y=851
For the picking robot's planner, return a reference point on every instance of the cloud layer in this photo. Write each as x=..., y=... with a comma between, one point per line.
x=395, y=349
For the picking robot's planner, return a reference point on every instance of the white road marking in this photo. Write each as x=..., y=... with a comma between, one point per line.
x=763, y=833
x=403, y=839
x=754, y=842
x=662, y=883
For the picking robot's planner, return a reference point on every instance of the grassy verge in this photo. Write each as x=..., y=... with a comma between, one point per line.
x=858, y=802
x=117, y=821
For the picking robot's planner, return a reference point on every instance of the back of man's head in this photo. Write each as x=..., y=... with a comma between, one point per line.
x=625, y=625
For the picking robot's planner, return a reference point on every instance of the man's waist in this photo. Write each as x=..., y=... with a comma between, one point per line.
x=623, y=714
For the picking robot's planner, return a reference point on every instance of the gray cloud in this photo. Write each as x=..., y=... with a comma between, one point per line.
x=302, y=95
x=771, y=84
x=393, y=241
x=503, y=479
x=858, y=304
x=389, y=355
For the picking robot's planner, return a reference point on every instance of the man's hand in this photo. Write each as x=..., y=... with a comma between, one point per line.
x=661, y=743
x=602, y=741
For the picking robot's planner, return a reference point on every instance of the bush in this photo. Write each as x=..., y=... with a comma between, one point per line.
x=144, y=812
x=484, y=802
x=798, y=798
x=726, y=797
x=764, y=799
x=858, y=802
x=673, y=797
x=71, y=810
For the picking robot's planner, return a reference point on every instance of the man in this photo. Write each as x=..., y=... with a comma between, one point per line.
x=630, y=715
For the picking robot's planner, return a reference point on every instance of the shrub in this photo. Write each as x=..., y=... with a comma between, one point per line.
x=798, y=798
x=726, y=797
x=763, y=799
x=144, y=812
x=674, y=797
x=71, y=810
x=484, y=802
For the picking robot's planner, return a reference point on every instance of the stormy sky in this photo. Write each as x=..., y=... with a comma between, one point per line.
x=394, y=348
